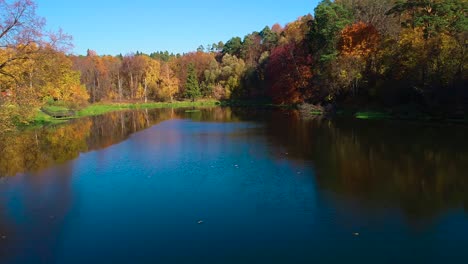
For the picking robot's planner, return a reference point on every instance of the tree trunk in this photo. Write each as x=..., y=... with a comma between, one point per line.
x=146, y=89
x=131, y=86
x=119, y=83
x=94, y=90
x=31, y=80
x=98, y=85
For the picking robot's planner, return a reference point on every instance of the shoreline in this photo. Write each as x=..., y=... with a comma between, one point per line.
x=44, y=119
x=96, y=109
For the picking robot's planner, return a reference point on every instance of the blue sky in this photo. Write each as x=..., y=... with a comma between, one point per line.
x=113, y=27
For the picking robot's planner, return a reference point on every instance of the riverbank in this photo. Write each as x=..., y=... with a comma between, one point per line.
x=50, y=115
x=455, y=117
x=45, y=116
x=402, y=113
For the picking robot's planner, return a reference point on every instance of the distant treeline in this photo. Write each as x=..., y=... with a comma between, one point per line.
x=361, y=53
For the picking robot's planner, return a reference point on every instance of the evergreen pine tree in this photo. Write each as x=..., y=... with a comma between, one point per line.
x=192, y=88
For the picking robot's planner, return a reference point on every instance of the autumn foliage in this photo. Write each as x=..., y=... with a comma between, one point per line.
x=358, y=40
x=381, y=53
x=289, y=72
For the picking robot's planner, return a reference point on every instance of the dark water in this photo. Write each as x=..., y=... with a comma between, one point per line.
x=268, y=186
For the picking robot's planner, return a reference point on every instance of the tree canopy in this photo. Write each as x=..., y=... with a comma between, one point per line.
x=389, y=53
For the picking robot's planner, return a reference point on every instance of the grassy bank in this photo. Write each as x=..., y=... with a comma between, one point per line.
x=99, y=109
x=373, y=115
x=403, y=113
x=411, y=116
x=254, y=103
x=42, y=118
x=46, y=116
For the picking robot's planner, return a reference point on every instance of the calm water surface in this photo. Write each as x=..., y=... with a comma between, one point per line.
x=234, y=186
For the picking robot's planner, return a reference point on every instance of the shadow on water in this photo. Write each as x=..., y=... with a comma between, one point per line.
x=419, y=168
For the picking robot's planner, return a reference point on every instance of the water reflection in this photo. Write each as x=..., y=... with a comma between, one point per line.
x=34, y=150
x=35, y=216
x=39, y=149
x=321, y=179
x=422, y=169
x=419, y=168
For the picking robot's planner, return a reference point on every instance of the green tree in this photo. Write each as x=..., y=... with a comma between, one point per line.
x=269, y=38
x=433, y=16
x=192, y=87
x=233, y=46
x=330, y=19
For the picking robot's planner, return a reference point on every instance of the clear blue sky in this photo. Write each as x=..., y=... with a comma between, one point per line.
x=113, y=27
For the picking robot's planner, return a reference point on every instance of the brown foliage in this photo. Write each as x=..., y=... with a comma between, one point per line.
x=200, y=60
x=358, y=40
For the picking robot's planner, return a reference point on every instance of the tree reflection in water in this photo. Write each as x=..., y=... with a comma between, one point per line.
x=420, y=168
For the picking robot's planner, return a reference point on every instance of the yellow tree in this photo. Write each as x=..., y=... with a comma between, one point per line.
x=151, y=75
x=168, y=83
x=296, y=31
x=18, y=98
x=56, y=80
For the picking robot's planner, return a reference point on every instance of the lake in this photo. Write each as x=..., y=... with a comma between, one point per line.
x=223, y=185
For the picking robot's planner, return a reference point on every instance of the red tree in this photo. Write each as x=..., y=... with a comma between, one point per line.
x=289, y=73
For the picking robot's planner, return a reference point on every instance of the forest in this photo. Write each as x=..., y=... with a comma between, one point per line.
x=405, y=55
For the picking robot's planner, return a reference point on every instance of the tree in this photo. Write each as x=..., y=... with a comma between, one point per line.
x=269, y=38
x=192, y=87
x=23, y=43
x=133, y=69
x=233, y=46
x=297, y=30
x=20, y=28
x=168, y=84
x=358, y=40
x=289, y=74
x=114, y=80
x=357, y=48
x=21, y=32
x=151, y=75
x=330, y=19
x=277, y=28
x=211, y=78
x=433, y=16
x=200, y=60
x=55, y=79
x=373, y=13
x=232, y=71
x=251, y=48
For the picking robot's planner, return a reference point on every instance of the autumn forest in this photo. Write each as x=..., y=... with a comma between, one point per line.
x=409, y=56
x=339, y=136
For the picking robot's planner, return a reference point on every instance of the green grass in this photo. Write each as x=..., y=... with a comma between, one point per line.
x=254, y=103
x=99, y=109
x=43, y=119
x=316, y=113
x=372, y=115
x=55, y=108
